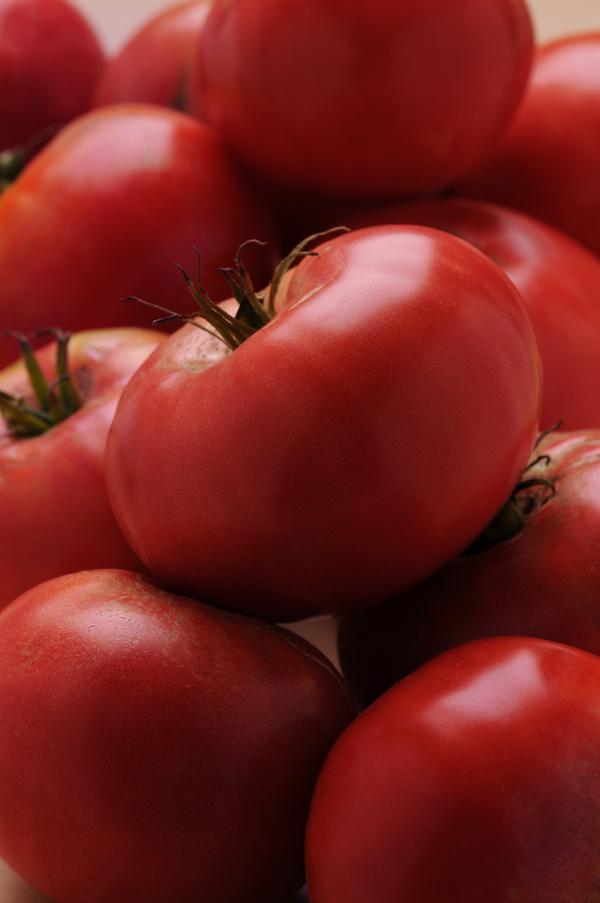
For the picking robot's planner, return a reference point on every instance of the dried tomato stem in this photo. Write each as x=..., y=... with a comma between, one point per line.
x=528, y=496
x=292, y=258
x=255, y=309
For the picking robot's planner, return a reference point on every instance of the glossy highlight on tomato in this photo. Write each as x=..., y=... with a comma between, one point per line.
x=155, y=749
x=105, y=211
x=346, y=449
x=558, y=279
x=473, y=779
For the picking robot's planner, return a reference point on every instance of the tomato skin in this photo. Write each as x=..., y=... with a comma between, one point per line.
x=548, y=163
x=154, y=748
x=153, y=65
x=54, y=512
x=395, y=396
x=129, y=190
x=374, y=99
x=543, y=582
x=471, y=780
x=558, y=279
x=50, y=60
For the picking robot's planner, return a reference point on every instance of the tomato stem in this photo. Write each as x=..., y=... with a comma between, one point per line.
x=14, y=160
x=529, y=495
x=255, y=309
x=57, y=401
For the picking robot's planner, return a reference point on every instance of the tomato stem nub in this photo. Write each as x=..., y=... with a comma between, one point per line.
x=56, y=401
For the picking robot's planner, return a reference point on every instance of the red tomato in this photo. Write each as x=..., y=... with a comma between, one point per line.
x=347, y=449
x=548, y=164
x=558, y=280
x=107, y=207
x=366, y=99
x=50, y=61
x=153, y=66
x=54, y=511
x=542, y=582
x=474, y=779
x=154, y=749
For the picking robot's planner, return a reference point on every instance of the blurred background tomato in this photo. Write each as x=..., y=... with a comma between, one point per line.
x=116, y=19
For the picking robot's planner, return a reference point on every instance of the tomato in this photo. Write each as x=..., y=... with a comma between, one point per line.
x=474, y=779
x=548, y=163
x=153, y=66
x=54, y=511
x=50, y=61
x=348, y=448
x=541, y=582
x=154, y=748
x=107, y=207
x=366, y=99
x=558, y=280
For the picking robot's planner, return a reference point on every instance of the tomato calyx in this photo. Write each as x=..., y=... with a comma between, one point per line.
x=12, y=163
x=56, y=401
x=255, y=308
x=529, y=495
x=14, y=160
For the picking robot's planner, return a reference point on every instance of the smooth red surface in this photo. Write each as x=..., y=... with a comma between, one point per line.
x=154, y=748
x=365, y=99
x=474, y=779
x=548, y=163
x=544, y=582
x=153, y=66
x=106, y=209
x=54, y=512
x=15, y=890
x=349, y=448
x=50, y=61
x=558, y=279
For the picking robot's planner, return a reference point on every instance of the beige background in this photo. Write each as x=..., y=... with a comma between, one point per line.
x=116, y=19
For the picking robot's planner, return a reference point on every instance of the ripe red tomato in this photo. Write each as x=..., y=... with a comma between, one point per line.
x=54, y=511
x=366, y=99
x=153, y=66
x=154, y=748
x=348, y=448
x=474, y=779
x=558, y=279
x=50, y=61
x=107, y=207
x=548, y=163
x=542, y=582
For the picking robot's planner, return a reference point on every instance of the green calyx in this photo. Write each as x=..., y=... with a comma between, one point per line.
x=55, y=401
x=529, y=495
x=255, y=309
x=14, y=160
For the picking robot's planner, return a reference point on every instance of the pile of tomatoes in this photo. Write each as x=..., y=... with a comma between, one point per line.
x=300, y=312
